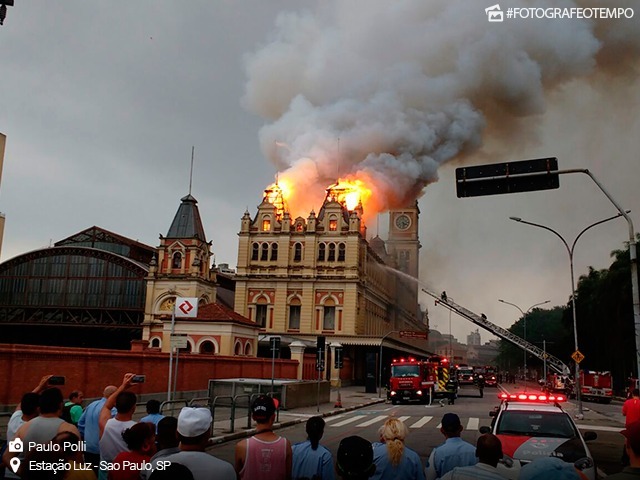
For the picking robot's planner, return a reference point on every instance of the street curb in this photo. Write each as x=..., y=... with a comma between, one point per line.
x=248, y=432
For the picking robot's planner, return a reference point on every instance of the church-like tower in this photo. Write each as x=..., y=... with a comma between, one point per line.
x=403, y=243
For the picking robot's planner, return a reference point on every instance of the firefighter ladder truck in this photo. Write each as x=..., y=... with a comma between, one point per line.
x=481, y=320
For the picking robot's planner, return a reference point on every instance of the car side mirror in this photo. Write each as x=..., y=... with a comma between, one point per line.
x=588, y=436
x=492, y=413
x=484, y=430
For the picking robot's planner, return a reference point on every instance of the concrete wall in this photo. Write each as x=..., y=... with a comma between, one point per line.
x=90, y=370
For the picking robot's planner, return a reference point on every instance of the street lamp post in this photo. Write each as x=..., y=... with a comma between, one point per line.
x=524, y=317
x=380, y=355
x=570, y=251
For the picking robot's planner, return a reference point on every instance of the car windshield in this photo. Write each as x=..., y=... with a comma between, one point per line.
x=405, y=371
x=536, y=424
x=465, y=371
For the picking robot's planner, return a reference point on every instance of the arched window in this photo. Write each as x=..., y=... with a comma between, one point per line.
x=294, y=314
x=255, y=249
x=155, y=342
x=332, y=252
x=247, y=349
x=297, y=252
x=341, y=252
x=266, y=224
x=237, y=350
x=329, y=315
x=333, y=223
x=264, y=251
x=177, y=260
x=299, y=227
x=261, y=312
x=321, y=252
x=274, y=251
x=207, y=347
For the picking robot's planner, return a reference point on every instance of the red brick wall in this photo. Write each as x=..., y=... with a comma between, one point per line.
x=90, y=370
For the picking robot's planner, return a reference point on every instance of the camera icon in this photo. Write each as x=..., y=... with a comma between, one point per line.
x=16, y=446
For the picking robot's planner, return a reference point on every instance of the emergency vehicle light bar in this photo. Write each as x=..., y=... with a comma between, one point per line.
x=532, y=397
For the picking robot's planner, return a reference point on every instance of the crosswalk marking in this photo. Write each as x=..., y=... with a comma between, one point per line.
x=422, y=422
x=404, y=419
x=334, y=418
x=473, y=423
x=372, y=421
x=347, y=421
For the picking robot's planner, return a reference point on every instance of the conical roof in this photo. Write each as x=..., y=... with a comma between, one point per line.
x=187, y=222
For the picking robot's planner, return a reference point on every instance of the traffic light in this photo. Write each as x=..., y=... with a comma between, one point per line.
x=338, y=358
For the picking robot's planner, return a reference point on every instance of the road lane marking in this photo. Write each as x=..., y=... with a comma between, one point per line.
x=347, y=421
x=372, y=421
x=473, y=423
x=404, y=419
x=600, y=428
x=335, y=417
x=420, y=423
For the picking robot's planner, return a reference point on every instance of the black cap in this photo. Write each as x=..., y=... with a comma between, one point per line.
x=451, y=422
x=263, y=407
x=355, y=456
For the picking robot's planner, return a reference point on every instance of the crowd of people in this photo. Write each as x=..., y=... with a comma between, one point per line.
x=110, y=445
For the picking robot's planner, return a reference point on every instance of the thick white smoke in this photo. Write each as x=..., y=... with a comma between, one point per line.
x=390, y=90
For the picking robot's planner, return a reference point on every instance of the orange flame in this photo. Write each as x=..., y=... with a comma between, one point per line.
x=349, y=193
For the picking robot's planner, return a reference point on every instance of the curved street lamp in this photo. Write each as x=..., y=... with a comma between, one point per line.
x=524, y=316
x=573, y=299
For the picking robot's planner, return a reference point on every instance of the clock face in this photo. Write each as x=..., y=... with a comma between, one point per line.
x=403, y=222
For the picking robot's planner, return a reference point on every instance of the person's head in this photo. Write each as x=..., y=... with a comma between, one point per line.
x=51, y=401
x=194, y=425
x=632, y=440
x=172, y=472
x=76, y=397
x=549, y=468
x=489, y=449
x=354, y=460
x=393, y=432
x=167, y=434
x=635, y=392
x=153, y=406
x=141, y=438
x=30, y=404
x=66, y=438
x=109, y=390
x=315, y=430
x=451, y=426
x=263, y=409
x=126, y=402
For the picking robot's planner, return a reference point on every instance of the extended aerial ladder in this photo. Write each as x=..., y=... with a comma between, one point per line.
x=481, y=320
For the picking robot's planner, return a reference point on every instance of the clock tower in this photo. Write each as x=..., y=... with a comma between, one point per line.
x=404, y=244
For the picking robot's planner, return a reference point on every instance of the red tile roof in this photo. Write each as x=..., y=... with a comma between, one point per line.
x=217, y=312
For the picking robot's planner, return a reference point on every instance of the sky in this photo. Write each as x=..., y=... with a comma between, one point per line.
x=101, y=103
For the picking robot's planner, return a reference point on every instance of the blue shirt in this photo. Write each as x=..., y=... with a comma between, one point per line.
x=307, y=462
x=454, y=452
x=152, y=418
x=89, y=427
x=409, y=468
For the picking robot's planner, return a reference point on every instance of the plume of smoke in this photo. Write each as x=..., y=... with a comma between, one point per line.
x=409, y=85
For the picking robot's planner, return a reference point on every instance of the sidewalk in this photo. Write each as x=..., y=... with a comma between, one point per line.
x=352, y=398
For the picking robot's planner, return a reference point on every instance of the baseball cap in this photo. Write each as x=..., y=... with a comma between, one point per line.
x=194, y=421
x=264, y=406
x=632, y=434
x=545, y=468
x=450, y=422
x=355, y=456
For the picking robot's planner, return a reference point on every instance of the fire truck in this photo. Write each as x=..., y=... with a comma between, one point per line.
x=422, y=380
x=558, y=383
x=596, y=386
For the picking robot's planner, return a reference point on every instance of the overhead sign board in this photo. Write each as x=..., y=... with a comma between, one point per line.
x=413, y=334
x=186, y=307
x=509, y=177
x=179, y=341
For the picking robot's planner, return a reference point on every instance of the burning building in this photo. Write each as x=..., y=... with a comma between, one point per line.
x=301, y=278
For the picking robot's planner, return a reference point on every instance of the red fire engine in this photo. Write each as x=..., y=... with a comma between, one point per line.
x=421, y=380
x=557, y=383
x=596, y=386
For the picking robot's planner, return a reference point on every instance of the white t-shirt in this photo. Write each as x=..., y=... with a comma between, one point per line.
x=111, y=442
x=15, y=422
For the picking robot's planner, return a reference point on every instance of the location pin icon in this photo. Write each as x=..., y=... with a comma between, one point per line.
x=15, y=464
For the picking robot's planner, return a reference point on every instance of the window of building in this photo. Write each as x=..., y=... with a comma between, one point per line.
x=341, y=252
x=207, y=347
x=299, y=227
x=332, y=252
x=274, y=251
x=403, y=261
x=329, y=317
x=297, y=252
x=254, y=251
x=294, y=314
x=333, y=223
x=177, y=260
x=247, y=349
x=266, y=224
x=261, y=315
x=321, y=252
x=155, y=343
x=264, y=251
x=237, y=350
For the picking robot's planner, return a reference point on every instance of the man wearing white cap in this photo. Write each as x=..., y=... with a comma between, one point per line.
x=194, y=425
